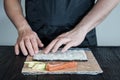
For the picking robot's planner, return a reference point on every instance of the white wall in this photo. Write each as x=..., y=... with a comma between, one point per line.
x=108, y=32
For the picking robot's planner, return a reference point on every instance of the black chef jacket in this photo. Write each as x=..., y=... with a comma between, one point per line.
x=50, y=18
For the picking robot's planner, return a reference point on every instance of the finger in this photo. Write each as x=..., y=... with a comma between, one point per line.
x=16, y=49
x=40, y=44
x=34, y=45
x=50, y=46
x=60, y=43
x=69, y=45
x=29, y=47
x=23, y=49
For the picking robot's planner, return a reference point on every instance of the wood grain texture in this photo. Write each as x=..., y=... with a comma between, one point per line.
x=107, y=57
x=90, y=67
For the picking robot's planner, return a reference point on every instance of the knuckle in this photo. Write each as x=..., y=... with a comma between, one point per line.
x=34, y=40
x=32, y=36
x=26, y=38
x=55, y=40
x=27, y=43
x=59, y=38
x=75, y=44
x=29, y=49
x=34, y=33
x=57, y=45
x=20, y=43
x=35, y=46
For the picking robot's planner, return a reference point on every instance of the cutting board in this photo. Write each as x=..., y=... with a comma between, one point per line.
x=90, y=67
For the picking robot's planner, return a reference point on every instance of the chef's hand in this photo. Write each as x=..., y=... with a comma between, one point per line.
x=70, y=39
x=28, y=42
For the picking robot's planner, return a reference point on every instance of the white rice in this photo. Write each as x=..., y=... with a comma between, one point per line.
x=68, y=55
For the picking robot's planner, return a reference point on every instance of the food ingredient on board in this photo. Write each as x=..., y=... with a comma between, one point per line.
x=70, y=55
x=36, y=65
x=53, y=66
x=39, y=66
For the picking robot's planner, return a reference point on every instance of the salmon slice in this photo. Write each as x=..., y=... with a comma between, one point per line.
x=53, y=66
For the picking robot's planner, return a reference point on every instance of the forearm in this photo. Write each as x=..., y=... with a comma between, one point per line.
x=101, y=9
x=14, y=11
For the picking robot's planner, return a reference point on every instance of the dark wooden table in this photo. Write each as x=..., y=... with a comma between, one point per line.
x=107, y=57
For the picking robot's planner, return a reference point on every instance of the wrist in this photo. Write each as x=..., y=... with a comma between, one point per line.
x=24, y=26
x=23, y=30
x=81, y=29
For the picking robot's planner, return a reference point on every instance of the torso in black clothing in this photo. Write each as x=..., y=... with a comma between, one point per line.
x=50, y=18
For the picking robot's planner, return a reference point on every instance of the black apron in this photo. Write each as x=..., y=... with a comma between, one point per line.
x=50, y=18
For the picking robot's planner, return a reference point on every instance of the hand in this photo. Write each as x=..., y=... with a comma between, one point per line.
x=27, y=41
x=70, y=39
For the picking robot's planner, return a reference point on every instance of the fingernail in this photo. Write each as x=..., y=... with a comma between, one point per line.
x=42, y=45
x=36, y=52
x=17, y=53
x=25, y=54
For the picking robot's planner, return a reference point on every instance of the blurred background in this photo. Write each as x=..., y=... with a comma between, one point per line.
x=108, y=32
